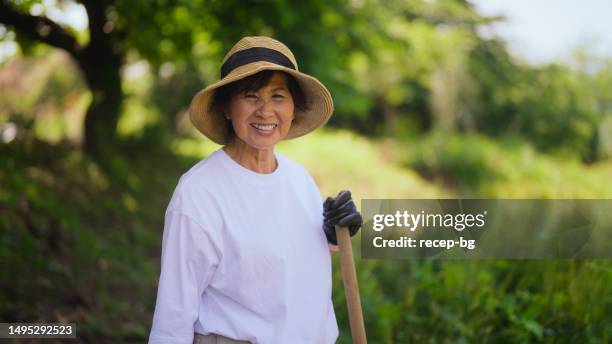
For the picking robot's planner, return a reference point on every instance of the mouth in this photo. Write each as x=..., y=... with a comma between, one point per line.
x=264, y=127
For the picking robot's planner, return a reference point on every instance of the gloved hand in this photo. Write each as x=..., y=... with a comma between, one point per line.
x=340, y=211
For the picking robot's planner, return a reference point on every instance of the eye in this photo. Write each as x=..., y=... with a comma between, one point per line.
x=278, y=96
x=250, y=96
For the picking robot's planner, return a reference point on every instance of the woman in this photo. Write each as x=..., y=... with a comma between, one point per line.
x=245, y=246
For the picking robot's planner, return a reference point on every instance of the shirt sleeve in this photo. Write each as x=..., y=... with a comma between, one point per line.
x=188, y=263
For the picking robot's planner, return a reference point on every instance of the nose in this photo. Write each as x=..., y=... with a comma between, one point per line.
x=265, y=109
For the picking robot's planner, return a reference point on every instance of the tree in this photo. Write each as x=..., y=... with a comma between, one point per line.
x=99, y=61
x=177, y=32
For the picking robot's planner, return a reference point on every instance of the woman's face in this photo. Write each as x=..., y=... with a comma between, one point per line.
x=262, y=118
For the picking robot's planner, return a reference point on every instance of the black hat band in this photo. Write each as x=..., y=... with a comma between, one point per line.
x=251, y=55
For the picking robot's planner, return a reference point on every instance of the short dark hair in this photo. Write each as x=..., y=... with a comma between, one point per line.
x=253, y=83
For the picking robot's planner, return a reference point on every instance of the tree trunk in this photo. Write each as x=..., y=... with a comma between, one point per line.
x=101, y=70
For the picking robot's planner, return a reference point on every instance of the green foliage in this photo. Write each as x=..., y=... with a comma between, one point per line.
x=465, y=162
x=471, y=121
x=484, y=301
x=474, y=165
x=395, y=68
x=78, y=245
x=87, y=245
x=47, y=82
x=555, y=107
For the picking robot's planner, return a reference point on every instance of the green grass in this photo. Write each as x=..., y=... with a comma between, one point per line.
x=82, y=246
x=482, y=301
x=477, y=166
x=341, y=160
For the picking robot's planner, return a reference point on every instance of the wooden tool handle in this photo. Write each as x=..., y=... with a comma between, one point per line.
x=351, y=288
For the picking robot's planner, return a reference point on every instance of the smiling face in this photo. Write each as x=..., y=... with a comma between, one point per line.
x=262, y=117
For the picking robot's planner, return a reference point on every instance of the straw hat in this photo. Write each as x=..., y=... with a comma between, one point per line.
x=250, y=56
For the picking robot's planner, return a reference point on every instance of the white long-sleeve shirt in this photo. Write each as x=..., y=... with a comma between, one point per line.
x=244, y=256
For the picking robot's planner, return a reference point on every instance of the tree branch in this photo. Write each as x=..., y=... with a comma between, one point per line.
x=39, y=28
x=96, y=13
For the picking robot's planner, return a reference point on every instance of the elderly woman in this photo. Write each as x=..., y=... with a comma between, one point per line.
x=245, y=254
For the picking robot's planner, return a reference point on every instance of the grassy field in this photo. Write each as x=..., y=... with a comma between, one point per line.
x=81, y=246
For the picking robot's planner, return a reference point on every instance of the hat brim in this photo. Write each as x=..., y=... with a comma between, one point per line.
x=215, y=126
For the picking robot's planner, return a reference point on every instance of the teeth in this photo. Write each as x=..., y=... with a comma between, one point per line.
x=263, y=126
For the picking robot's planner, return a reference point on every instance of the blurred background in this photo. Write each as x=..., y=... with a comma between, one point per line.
x=433, y=98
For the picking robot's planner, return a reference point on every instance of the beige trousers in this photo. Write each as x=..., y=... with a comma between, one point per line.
x=215, y=339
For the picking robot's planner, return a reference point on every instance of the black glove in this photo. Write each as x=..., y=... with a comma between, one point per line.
x=340, y=211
